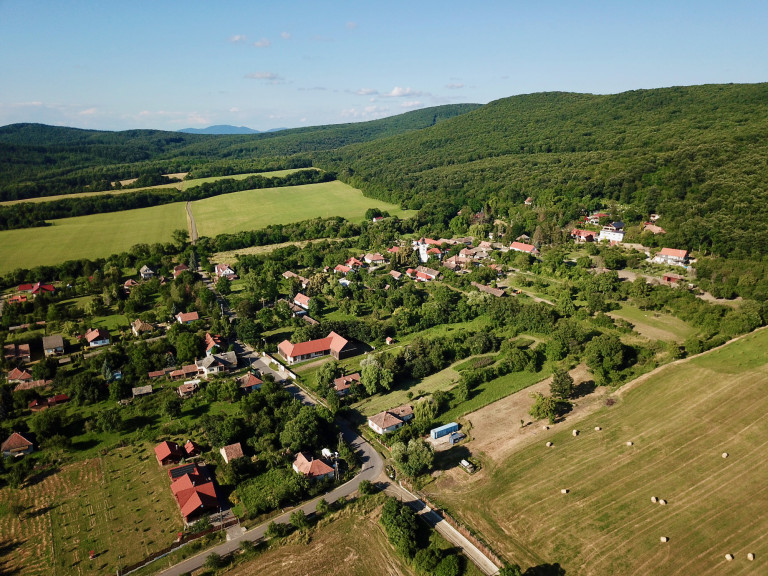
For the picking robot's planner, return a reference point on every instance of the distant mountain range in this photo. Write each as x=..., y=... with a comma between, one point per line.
x=225, y=129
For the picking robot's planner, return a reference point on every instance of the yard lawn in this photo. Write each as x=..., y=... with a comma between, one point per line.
x=118, y=504
x=681, y=419
x=254, y=209
x=95, y=236
x=654, y=325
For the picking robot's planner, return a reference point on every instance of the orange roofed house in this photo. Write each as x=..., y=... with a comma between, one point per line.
x=314, y=469
x=333, y=344
x=195, y=492
x=390, y=420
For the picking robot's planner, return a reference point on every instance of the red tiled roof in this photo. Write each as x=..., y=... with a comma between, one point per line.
x=185, y=317
x=342, y=269
x=96, y=334
x=332, y=342
x=311, y=467
x=345, y=382
x=168, y=449
x=394, y=249
x=20, y=375
x=15, y=442
x=354, y=262
x=302, y=300
x=233, y=451
x=385, y=420
x=250, y=380
x=212, y=341
x=191, y=448
x=521, y=247
x=674, y=253
x=29, y=385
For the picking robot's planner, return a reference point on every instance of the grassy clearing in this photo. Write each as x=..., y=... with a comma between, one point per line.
x=95, y=236
x=116, y=505
x=183, y=185
x=254, y=209
x=680, y=420
x=443, y=380
x=230, y=256
x=654, y=325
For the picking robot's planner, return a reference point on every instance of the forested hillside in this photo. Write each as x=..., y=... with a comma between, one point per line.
x=698, y=155
x=38, y=160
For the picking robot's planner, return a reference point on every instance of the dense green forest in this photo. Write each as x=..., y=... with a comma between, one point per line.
x=38, y=160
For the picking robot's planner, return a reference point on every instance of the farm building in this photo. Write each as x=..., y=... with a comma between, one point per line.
x=444, y=430
x=141, y=390
x=332, y=344
x=521, y=247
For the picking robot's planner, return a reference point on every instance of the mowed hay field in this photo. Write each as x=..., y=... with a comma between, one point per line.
x=254, y=209
x=116, y=505
x=95, y=236
x=680, y=421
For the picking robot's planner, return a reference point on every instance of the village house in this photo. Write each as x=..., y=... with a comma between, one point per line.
x=192, y=449
x=216, y=363
x=179, y=270
x=232, y=452
x=212, y=343
x=224, y=271
x=129, y=285
x=354, y=263
x=139, y=391
x=40, y=405
x=17, y=445
x=375, y=259
x=528, y=201
x=342, y=269
x=32, y=384
x=498, y=292
x=314, y=469
x=184, y=372
x=395, y=275
x=653, y=228
x=672, y=257
x=16, y=376
x=611, y=234
x=146, y=273
x=53, y=345
x=522, y=247
x=296, y=311
x=139, y=327
x=37, y=289
x=332, y=344
x=187, y=317
x=97, y=337
x=169, y=453
x=343, y=384
x=188, y=389
x=390, y=420
x=249, y=382
x=302, y=300
x=19, y=352
x=288, y=275
x=194, y=492
x=582, y=235
x=594, y=219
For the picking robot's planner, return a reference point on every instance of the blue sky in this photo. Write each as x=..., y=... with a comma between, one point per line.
x=267, y=64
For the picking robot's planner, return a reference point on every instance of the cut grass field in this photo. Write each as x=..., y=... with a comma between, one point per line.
x=254, y=209
x=183, y=185
x=654, y=325
x=116, y=505
x=95, y=236
x=680, y=420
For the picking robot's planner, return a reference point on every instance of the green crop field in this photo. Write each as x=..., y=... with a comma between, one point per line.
x=94, y=236
x=680, y=420
x=119, y=504
x=253, y=209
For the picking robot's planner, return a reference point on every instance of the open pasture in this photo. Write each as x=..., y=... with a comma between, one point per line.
x=654, y=325
x=679, y=421
x=94, y=236
x=254, y=209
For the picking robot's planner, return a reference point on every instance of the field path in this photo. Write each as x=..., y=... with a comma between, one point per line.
x=191, y=224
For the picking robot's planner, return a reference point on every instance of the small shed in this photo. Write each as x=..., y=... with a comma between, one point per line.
x=444, y=430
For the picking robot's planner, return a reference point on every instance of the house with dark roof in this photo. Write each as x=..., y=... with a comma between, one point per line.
x=333, y=344
x=17, y=445
x=53, y=345
x=216, y=363
x=312, y=468
x=498, y=292
x=17, y=352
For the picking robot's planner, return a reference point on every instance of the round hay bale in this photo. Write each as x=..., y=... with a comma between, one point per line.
x=729, y=557
x=597, y=428
x=663, y=502
x=575, y=432
x=664, y=539
x=545, y=427
x=549, y=444
x=630, y=443
x=725, y=454
x=750, y=556
x=564, y=491
x=654, y=499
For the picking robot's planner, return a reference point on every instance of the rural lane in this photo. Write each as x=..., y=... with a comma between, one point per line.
x=191, y=223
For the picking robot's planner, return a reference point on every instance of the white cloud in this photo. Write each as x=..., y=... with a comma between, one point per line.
x=399, y=92
x=411, y=104
x=238, y=39
x=263, y=43
x=234, y=109
x=366, y=112
x=454, y=86
x=88, y=112
x=269, y=77
x=303, y=120
x=285, y=35
x=366, y=91
x=351, y=25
